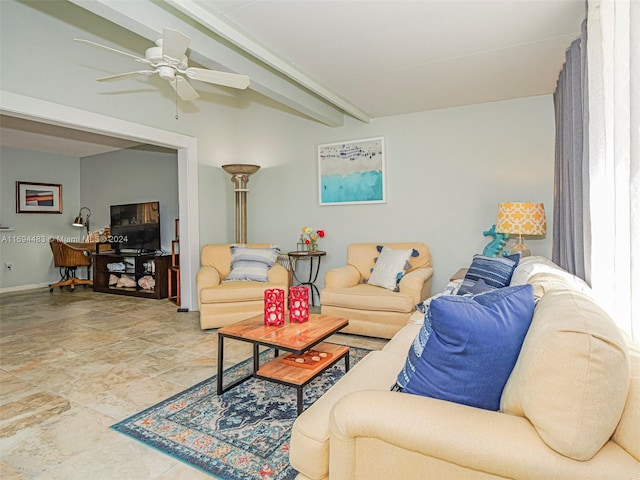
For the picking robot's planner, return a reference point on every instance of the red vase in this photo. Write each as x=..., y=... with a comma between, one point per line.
x=298, y=304
x=274, y=307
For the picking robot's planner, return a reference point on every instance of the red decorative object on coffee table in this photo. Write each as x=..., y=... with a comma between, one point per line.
x=274, y=307
x=299, y=304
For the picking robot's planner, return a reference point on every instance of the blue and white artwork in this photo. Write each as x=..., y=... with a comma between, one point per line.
x=352, y=172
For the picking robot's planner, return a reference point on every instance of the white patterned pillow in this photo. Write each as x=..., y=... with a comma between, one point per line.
x=390, y=268
x=251, y=264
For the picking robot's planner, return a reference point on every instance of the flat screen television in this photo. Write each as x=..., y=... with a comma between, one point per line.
x=136, y=227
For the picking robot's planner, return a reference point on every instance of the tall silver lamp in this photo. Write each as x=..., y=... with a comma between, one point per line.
x=240, y=177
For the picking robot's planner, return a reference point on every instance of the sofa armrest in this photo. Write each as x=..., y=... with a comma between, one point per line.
x=342, y=277
x=207, y=277
x=278, y=274
x=417, y=283
x=447, y=436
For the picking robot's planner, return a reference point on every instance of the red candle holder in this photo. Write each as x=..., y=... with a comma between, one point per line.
x=274, y=307
x=298, y=304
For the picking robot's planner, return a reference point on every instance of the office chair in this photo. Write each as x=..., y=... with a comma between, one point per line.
x=68, y=259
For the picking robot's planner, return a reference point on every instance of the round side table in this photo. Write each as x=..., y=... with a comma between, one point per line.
x=315, y=259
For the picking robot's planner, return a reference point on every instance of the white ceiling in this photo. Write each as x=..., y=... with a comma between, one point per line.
x=395, y=57
x=41, y=137
x=362, y=58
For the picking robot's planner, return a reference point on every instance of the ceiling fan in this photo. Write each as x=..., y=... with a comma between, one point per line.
x=169, y=60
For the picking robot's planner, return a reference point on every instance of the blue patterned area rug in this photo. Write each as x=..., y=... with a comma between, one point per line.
x=240, y=435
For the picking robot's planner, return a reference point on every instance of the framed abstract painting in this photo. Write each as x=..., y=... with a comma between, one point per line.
x=34, y=197
x=352, y=172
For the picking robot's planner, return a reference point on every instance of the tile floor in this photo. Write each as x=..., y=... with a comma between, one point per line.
x=74, y=363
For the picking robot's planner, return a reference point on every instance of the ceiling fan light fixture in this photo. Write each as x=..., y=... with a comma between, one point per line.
x=166, y=73
x=168, y=59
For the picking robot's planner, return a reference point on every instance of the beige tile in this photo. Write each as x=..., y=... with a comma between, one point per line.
x=182, y=471
x=130, y=398
x=7, y=472
x=31, y=410
x=191, y=372
x=12, y=387
x=104, y=357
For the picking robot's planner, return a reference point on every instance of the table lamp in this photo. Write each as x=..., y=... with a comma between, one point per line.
x=521, y=218
x=80, y=222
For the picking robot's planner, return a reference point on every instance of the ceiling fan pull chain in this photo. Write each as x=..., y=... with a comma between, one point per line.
x=176, y=96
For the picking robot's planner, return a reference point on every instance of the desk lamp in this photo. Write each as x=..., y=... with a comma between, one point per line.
x=80, y=222
x=520, y=218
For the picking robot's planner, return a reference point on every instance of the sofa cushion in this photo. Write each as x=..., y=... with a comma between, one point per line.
x=546, y=281
x=535, y=265
x=401, y=341
x=390, y=267
x=368, y=298
x=474, y=345
x=310, y=433
x=232, y=292
x=627, y=433
x=251, y=264
x=495, y=272
x=572, y=377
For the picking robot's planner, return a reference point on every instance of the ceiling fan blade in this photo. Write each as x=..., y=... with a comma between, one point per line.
x=174, y=44
x=184, y=89
x=113, y=50
x=122, y=76
x=220, y=78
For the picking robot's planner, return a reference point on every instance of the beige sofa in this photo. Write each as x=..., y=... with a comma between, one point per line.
x=223, y=303
x=372, y=310
x=570, y=409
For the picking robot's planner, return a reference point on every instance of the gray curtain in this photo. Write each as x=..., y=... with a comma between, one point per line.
x=571, y=179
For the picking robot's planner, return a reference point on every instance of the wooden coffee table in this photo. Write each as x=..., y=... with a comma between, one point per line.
x=296, y=338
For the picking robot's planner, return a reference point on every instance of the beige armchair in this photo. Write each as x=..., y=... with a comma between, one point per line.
x=223, y=303
x=372, y=310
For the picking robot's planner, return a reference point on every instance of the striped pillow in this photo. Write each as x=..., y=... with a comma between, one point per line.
x=251, y=264
x=494, y=271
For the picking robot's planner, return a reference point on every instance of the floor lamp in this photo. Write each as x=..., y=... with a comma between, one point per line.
x=240, y=177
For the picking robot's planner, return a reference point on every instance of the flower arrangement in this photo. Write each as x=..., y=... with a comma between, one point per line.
x=310, y=239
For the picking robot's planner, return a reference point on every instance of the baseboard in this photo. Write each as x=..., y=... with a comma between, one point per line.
x=19, y=288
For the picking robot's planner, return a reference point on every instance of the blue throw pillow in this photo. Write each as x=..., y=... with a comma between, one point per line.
x=473, y=347
x=496, y=272
x=415, y=351
x=480, y=287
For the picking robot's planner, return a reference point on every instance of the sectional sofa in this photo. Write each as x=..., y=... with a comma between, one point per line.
x=570, y=408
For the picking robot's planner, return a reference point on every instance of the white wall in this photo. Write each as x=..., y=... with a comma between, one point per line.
x=446, y=169
x=131, y=176
x=446, y=172
x=27, y=247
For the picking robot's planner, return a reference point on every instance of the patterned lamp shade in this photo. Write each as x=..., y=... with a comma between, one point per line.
x=520, y=218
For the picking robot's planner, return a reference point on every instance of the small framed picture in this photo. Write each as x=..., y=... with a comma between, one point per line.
x=352, y=172
x=32, y=197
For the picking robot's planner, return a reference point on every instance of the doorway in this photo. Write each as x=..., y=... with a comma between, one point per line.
x=46, y=112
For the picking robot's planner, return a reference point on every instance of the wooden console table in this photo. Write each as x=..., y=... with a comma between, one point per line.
x=136, y=267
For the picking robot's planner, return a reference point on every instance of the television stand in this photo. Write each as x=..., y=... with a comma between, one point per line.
x=114, y=266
